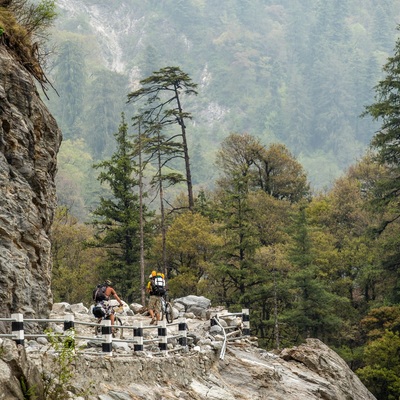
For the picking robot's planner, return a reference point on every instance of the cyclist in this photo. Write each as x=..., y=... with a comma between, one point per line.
x=102, y=297
x=156, y=289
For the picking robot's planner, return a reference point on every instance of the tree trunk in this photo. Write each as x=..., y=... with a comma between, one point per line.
x=185, y=153
x=142, y=284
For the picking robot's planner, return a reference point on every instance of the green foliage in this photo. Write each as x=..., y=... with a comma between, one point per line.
x=75, y=267
x=116, y=219
x=191, y=242
x=35, y=18
x=59, y=379
x=381, y=375
x=352, y=356
x=273, y=169
x=191, y=236
x=29, y=393
x=386, y=141
x=184, y=284
x=316, y=310
x=240, y=239
x=69, y=73
x=39, y=16
x=284, y=176
x=103, y=106
x=25, y=27
x=381, y=319
x=77, y=186
x=161, y=96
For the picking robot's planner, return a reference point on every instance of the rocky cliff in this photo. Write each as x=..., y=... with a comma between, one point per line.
x=29, y=142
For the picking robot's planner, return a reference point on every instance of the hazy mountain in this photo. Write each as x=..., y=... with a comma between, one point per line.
x=285, y=71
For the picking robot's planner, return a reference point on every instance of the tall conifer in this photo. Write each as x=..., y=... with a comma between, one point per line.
x=163, y=92
x=387, y=140
x=117, y=216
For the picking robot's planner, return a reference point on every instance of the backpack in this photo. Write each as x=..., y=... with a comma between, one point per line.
x=98, y=312
x=99, y=293
x=158, y=286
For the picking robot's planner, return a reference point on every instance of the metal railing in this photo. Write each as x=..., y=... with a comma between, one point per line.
x=106, y=338
x=244, y=331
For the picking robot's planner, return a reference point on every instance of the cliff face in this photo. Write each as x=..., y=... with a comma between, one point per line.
x=29, y=142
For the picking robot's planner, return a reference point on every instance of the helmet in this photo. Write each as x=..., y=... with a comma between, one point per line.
x=153, y=273
x=108, y=282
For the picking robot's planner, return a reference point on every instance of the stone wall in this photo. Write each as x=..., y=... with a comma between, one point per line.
x=29, y=142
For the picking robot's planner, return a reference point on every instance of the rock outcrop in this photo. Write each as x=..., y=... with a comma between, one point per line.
x=17, y=373
x=29, y=142
x=246, y=372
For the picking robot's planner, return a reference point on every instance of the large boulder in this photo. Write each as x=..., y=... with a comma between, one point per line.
x=193, y=305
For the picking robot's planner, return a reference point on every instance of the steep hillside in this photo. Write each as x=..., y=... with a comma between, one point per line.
x=282, y=71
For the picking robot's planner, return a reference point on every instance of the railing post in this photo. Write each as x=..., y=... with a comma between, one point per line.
x=246, y=322
x=69, y=322
x=106, y=331
x=162, y=336
x=69, y=331
x=183, y=331
x=138, y=335
x=17, y=328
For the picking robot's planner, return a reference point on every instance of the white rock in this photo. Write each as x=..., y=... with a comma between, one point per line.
x=59, y=308
x=79, y=308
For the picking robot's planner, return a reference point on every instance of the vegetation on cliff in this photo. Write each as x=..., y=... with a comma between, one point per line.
x=23, y=28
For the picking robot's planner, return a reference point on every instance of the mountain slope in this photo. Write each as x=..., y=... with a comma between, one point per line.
x=283, y=71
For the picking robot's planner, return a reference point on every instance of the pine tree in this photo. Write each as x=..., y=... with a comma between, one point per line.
x=162, y=92
x=314, y=310
x=387, y=145
x=117, y=217
x=387, y=140
x=70, y=75
x=158, y=151
x=236, y=159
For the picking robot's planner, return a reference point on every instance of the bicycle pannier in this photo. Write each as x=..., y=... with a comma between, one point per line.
x=98, y=312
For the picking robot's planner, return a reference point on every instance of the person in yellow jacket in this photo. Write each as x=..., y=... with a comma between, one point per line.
x=154, y=305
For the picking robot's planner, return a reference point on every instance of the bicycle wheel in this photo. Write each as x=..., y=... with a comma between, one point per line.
x=118, y=327
x=162, y=301
x=169, y=313
x=97, y=328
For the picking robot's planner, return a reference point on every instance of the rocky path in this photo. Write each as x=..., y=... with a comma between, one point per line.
x=310, y=371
